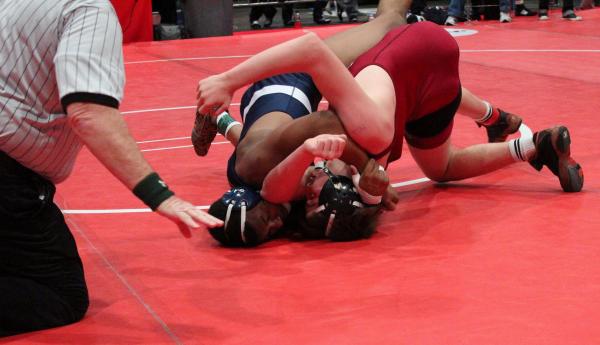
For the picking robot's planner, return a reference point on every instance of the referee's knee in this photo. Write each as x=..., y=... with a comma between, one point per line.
x=79, y=303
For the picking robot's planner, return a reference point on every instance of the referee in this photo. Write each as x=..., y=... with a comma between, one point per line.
x=61, y=81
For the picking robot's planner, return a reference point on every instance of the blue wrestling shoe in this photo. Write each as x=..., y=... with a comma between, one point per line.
x=203, y=134
x=553, y=149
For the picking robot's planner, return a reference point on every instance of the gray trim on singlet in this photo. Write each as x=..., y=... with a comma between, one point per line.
x=50, y=49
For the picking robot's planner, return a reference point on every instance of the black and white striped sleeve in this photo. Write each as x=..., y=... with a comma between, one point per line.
x=89, y=59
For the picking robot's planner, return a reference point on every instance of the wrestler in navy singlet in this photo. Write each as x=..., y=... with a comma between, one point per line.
x=422, y=61
x=294, y=94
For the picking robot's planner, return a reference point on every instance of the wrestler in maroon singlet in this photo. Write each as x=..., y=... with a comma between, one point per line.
x=422, y=61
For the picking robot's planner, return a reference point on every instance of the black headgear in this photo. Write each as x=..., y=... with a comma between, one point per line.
x=338, y=196
x=232, y=208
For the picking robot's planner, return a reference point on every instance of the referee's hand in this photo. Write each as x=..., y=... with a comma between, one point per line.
x=186, y=216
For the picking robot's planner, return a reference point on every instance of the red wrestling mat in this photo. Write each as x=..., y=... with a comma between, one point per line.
x=505, y=258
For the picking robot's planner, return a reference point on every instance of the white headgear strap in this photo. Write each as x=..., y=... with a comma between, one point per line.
x=243, y=221
x=329, y=224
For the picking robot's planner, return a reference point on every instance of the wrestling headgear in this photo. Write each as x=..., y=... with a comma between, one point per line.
x=232, y=208
x=338, y=197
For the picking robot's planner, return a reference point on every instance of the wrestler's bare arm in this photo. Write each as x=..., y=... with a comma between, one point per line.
x=291, y=171
x=255, y=160
x=287, y=138
x=104, y=132
x=296, y=133
x=353, y=102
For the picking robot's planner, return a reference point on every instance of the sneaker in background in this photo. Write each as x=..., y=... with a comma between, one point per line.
x=323, y=21
x=570, y=15
x=505, y=17
x=522, y=11
x=451, y=21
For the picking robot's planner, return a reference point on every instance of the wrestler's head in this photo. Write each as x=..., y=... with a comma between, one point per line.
x=248, y=219
x=334, y=207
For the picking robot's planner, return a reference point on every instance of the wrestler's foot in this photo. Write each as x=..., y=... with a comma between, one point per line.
x=506, y=124
x=204, y=132
x=553, y=149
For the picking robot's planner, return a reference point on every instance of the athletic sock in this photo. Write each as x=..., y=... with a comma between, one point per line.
x=225, y=122
x=522, y=149
x=490, y=117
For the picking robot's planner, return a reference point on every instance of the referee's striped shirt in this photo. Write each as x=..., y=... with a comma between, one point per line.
x=53, y=53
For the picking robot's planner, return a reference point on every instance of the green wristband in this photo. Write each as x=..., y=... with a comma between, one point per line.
x=152, y=191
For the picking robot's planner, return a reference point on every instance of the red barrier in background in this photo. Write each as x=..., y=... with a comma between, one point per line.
x=135, y=17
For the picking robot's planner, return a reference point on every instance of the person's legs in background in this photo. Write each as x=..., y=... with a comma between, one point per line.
x=568, y=12
x=351, y=8
x=543, y=9
x=521, y=10
x=505, y=7
x=287, y=12
x=456, y=10
x=318, y=12
x=269, y=12
x=255, y=13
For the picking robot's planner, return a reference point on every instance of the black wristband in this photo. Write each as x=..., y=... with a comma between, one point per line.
x=152, y=191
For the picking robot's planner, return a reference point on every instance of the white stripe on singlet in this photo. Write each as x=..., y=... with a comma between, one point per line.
x=295, y=92
x=49, y=49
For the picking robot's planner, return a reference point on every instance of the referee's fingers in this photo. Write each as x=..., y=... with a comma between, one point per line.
x=205, y=218
x=186, y=218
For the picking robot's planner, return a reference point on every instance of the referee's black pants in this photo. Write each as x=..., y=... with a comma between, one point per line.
x=42, y=284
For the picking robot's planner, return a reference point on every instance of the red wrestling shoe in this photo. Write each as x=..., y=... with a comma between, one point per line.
x=506, y=124
x=203, y=134
x=553, y=149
